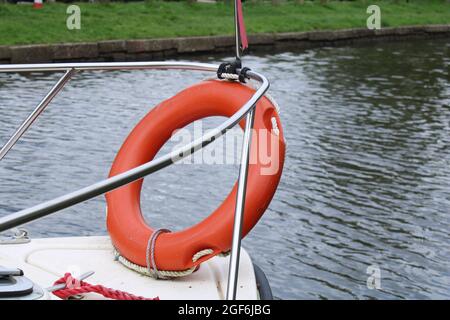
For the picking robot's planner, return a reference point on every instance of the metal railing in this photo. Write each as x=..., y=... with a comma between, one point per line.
x=99, y=188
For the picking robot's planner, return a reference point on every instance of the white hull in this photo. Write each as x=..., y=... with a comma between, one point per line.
x=45, y=260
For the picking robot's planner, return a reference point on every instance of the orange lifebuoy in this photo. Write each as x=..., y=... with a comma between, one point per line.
x=175, y=251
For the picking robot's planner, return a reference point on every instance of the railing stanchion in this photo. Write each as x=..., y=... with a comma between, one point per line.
x=36, y=112
x=240, y=206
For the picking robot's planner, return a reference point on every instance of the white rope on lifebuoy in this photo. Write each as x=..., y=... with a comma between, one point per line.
x=230, y=76
x=251, y=85
x=202, y=253
x=161, y=274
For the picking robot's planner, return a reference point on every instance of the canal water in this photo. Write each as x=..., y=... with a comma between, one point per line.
x=363, y=207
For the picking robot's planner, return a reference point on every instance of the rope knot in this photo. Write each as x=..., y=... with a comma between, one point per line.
x=71, y=282
x=75, y=287
x=229, y=71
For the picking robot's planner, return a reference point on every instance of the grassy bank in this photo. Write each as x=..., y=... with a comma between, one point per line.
x=20, y=24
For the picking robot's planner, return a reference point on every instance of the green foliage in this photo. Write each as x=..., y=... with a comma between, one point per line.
x=21, y=24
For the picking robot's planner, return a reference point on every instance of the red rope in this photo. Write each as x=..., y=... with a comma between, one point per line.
x=75, y=287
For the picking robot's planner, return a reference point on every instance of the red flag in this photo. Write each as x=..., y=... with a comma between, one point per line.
x=241, y=25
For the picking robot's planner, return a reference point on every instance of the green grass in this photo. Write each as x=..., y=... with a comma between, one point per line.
x=20, y=24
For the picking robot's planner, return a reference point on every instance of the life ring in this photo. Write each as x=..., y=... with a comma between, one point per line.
x=175, y=251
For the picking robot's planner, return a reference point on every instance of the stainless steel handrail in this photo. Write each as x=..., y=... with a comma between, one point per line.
x=154, y=165
x=105, y=66
x=71, y=69
x=233, y=271
x=36, y=112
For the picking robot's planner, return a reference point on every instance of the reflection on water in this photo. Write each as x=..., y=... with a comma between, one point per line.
x=366, y=179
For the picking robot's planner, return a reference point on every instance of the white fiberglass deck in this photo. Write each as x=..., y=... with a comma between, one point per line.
x=45, y=260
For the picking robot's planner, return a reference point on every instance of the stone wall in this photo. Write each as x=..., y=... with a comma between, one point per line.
x=159, y=49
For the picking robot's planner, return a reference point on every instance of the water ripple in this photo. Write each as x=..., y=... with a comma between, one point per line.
x=366, y=177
